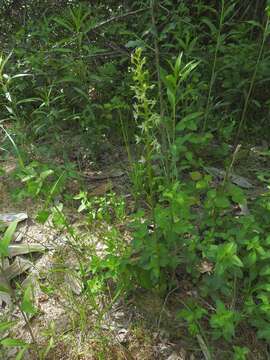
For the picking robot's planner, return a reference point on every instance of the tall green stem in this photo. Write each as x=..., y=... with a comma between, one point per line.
x=213, y=73
x=252, y=82
x=163, y=130
x=157, y=55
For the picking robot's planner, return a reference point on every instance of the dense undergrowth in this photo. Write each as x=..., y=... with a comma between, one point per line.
x=185, y=84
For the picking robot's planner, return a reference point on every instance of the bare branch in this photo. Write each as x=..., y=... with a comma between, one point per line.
x=116, y=18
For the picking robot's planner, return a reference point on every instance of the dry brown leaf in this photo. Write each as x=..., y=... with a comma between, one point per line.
x=22, y=249
x=206, y=267
x=9, y=218
x=18, y=267
x=104, y=175
x=74, y=283
x=102, y=189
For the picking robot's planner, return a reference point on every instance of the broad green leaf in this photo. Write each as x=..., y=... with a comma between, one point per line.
x=6, y=325
x=211, y=194
x=46, y=174
x=267, y=240
x=236, y=261
x=188, y=68
x=20, y=354
x=195, y=175
x=135, y=44
x=265, y=271
x=27, y=303
x=188, y=122
x=222, y=201
x=236, y=193
x=264, y=333
x=6, y=239
x=202, y=184
x=210, y=25
x=9, y=342
x=42, y=216
x=82, y=207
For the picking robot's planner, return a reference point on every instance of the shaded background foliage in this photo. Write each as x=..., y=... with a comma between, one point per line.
x=79, y=68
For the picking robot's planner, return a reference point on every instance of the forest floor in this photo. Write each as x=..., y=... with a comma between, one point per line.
x=67, y=326
x=138, y=328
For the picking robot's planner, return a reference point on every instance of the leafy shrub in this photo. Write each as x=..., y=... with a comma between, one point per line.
x=193, y=227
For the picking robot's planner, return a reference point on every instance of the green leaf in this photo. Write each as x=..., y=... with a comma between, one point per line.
x=19, y=76
x=189, y=67
x=4, y=289
x=82, y=207
x=46, y=173
x=9, y=109
x=223, y=321
x=135, y=44
x=171, y=97
x=222, y=201
x=240, y=353
x=27, y=304
x=195, y=175
x=188, y=122
x=210, y=25
x=236, y=261
x=8, y=342
x=264, y=333
x=229, y=10
x=250, y=259
x=255, y=24
x=202, y=184
x=20, y=354
x=177, y=65
x=64, y=23
x=82, y=93
x=236, y=193
x=211, y=194
x=265, y=271
x=42, y=216
x=61, y=50
x=6, y=239
x=6, y=325
x=25, y=101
